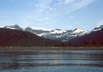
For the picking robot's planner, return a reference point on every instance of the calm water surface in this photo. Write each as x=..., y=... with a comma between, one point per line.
x=51, y=61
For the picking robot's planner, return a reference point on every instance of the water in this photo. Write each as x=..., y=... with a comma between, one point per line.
x=51, y=61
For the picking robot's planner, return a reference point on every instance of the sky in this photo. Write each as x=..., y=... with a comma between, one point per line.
x=52, y=14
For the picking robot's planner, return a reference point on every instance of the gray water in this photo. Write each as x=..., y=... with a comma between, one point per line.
x=51, y=61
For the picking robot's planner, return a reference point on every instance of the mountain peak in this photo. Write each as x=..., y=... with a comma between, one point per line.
x=58, y=31
x=17, y=27
x=77, y=30
x=98, y=28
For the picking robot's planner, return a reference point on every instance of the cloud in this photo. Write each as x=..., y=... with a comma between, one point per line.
x=47, y=11
x=82, y=3
x=68, y=1
x=76, y=5
x=60, y=7
x=100, y=22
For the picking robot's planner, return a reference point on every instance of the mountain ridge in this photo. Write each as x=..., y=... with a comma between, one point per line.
x=9, y=37
x=95, y=38
x=54, y=34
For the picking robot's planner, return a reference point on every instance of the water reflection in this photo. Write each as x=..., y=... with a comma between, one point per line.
x=16, y=60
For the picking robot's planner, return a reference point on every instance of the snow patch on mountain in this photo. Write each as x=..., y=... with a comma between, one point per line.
x=55, y=34
x=14, y=27
x=57, y=31
x=79, y=31
x=10, y=28
x=98, y=28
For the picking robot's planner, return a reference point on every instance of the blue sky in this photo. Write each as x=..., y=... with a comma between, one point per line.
x=51, y=14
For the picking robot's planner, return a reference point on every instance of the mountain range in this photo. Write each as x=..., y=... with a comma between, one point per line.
x=17, y=36
x=55, y=34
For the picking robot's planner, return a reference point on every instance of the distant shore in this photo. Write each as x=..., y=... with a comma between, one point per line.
x=50, y=48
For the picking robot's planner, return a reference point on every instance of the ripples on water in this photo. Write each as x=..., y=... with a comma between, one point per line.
x=51, y=61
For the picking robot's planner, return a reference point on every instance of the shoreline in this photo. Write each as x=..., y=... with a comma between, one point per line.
x=49, y=48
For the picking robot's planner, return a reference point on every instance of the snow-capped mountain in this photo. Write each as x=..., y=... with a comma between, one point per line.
x=98, y=28
x=64, y=35
x=37, y=32
x=74, y=33
x=93, y=39
x=14, y=27
x=77, y=32
x=34, y=31
x=55, y=34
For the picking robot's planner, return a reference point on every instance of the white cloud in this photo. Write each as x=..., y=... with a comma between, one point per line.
x=78, y=5
x=46, y=6
x=82, y=3
x=68, y=1
x=100, y=22
x=46, y=11
x=68, y=6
